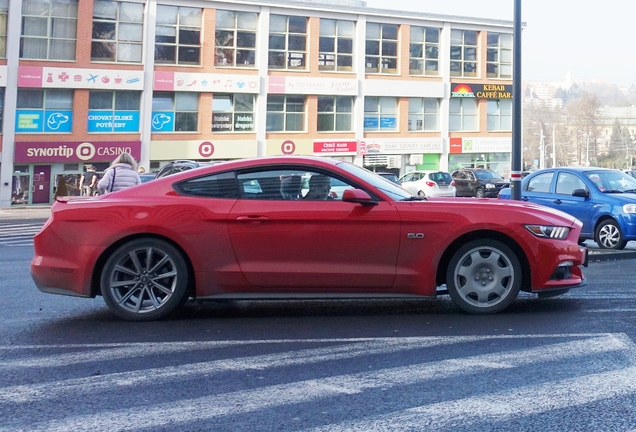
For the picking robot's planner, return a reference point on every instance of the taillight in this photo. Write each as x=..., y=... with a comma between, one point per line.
x=453, y=183
x=430, y=184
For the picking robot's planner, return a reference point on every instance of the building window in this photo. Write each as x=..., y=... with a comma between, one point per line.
x=233, y=113
x=175, y=112
x=381, y=48
x=463, y=56
x=336, y=45
x=424, y=51
x=113, y=111
x=285, y=113
x=117, y=31
x=4, y=13
x=423, y=114
x=49, y=29
x=463, y=114
x=287, y=42
x=335, y=113
x=235, y=38
x=500, y=115
x=380, y=114
x=499, y=55
x=48, y=111
x=178, y=35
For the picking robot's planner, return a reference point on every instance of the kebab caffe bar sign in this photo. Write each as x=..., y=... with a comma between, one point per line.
x=481, y=91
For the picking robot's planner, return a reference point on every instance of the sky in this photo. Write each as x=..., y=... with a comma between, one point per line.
x=590, y=40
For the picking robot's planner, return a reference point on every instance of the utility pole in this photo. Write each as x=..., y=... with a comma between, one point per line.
x=541, y=146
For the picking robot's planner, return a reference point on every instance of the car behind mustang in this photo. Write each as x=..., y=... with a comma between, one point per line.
x=228, y=231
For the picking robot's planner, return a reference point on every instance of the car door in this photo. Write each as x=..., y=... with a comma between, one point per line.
x=579, y=207
x=461, y=183
x=537, y=188
x=308, y=245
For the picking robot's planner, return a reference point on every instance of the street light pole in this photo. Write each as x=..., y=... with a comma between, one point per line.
x=541, y=147
x=587, y=149
x=554, y=158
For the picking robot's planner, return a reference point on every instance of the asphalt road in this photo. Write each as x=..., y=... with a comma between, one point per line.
x=566, y=363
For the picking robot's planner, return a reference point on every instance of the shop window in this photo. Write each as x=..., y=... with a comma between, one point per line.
x=117, y=31
x=424, y=114
x=335, y=113
x=336, y=45
x=49, y=29
x=178, y=35
x=233, y=113
x=380, y=114
x=235, y=38
x=44, y=111
x=113, y=111
x=381, y=53
x=424, y=51
x=499, y=55
x=4, y=13
x=285, y=113
x=463, y=114
x=175, y=112
x=500, y=115
x=287, y=42
x=463, y=53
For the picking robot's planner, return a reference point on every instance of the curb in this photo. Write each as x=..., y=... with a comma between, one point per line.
x=601, y=255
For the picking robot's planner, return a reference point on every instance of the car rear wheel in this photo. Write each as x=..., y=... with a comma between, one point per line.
x=609, y=236
x=483, y=277
x=144, y=279
x=479, y=193
x=421, y=194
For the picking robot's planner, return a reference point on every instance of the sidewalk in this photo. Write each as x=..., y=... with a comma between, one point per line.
x=17, y=213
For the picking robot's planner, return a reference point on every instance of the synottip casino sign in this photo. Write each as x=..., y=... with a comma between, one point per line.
x=482, y=91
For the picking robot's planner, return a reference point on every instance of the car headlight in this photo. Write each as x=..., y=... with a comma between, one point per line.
x=629, y=208
x=545, y=231
x=490, y=186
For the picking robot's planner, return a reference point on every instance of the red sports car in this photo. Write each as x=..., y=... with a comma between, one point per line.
x=269, y=228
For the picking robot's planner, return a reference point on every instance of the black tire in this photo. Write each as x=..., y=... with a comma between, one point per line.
x=479, y=193
x=144, y=280
x=608, y=235
x=483, y=277
x=421, y=194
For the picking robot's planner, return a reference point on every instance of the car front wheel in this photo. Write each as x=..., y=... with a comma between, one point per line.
x=609, y=236
x=483, y=277
x=479, y=193
x=144, y=279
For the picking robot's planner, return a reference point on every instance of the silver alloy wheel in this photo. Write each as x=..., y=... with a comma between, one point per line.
x=484, y=277
x=421, y=194
x=479, y=193
x=609, y=236
x=143, y=279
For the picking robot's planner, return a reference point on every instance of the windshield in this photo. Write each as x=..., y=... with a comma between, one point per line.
x=488, y=175
x=612, y=181
x=386, y=186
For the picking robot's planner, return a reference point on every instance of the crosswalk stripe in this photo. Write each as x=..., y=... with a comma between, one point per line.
x=560, y=392
x=20, y=234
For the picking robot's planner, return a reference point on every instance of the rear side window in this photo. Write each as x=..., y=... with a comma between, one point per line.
x=222, y=185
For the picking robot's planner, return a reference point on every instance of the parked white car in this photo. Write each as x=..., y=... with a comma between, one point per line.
x=429, y=183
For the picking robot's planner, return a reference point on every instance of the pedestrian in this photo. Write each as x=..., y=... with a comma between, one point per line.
x=62, y=188
x=121, y=174
x=141, y=170
x=88, y=181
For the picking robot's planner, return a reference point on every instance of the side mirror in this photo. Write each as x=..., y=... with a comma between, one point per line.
x=358, y=196
x=583, y=193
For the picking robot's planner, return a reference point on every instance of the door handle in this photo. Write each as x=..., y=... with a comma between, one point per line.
x=524, y=198
x=557, y=201
x=252, y=219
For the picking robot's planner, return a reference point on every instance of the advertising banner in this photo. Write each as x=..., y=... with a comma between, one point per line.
x=43, y=121
x=67, y=152
x=106, y=79
x=206, y=82
x=335, y=146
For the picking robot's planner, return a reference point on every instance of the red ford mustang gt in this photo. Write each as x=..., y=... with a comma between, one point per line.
x=269, y=228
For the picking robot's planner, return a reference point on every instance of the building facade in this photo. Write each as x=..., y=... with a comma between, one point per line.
x=84, y=80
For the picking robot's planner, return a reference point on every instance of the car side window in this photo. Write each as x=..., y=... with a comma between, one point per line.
x=540, y=183
x=567, y=183
x=221, y=185
x=470, y=176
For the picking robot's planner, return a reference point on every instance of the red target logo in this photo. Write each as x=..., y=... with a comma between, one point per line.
x=206, y=149
x=288, y=147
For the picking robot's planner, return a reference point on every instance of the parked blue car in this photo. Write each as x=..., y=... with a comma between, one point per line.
x=603, y=199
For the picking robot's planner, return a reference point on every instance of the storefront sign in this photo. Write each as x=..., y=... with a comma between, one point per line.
x=481, y=91
x=202, y=82
x=403, y=145
x=312, y=86
x=197, y=149
x=335, y=146
x=480, y=145
x=45, y=152
x=49, y=77
x=232, y=122
x=43, y=121
x=119, y=121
